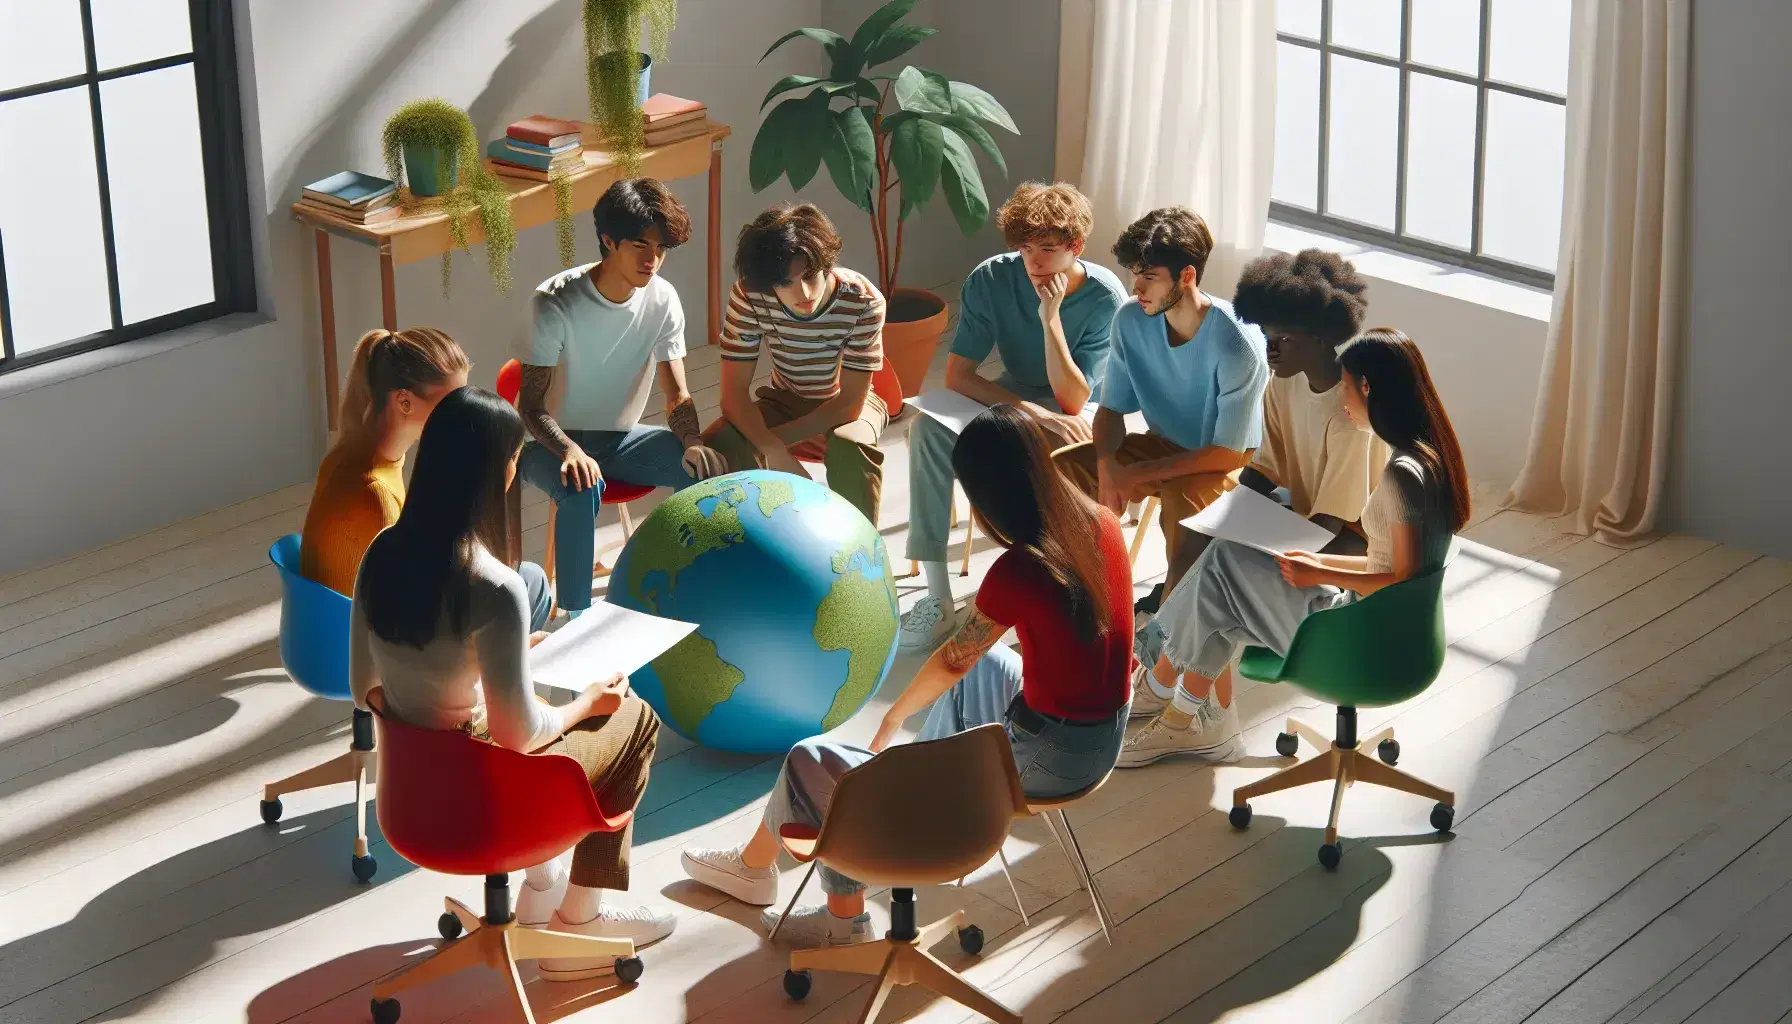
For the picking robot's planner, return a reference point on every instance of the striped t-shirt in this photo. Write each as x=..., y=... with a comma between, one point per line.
x=808, y=352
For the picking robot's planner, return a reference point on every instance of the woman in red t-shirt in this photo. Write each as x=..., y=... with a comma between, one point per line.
x=1064, y=584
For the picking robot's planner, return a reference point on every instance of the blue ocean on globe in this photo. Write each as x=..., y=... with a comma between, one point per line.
x=795, y=606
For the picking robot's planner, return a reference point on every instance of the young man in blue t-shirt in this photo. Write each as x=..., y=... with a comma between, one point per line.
x=1047, y=313
x=609, y=331
x=1195, y=371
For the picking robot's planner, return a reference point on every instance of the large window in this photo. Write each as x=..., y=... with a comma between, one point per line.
x=122, y=208
x=1432, y=126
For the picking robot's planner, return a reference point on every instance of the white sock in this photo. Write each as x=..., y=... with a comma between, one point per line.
x=544, y=876
x=939, y=581
x=1159, y=690
x=1188, y=703
x=581, y=904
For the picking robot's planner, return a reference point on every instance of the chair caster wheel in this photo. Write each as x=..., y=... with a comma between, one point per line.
x=1329, y=854
x=1442, y=817
x=385, y=1011
x=1240, y=817
x=970, y=939
x=363, y=867
x=629, y=969
x=448, y=926
x=1287, y=744
x=271, y=810
x=796, y=984
x=1389, y=751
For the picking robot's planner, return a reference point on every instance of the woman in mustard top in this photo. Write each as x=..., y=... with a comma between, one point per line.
x=394, y=381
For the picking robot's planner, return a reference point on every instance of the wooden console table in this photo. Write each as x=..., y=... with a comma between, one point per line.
x=425, y=235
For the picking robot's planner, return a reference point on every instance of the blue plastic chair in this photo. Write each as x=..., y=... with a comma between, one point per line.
x=314, y=650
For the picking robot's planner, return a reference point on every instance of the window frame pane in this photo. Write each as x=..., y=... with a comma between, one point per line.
x=213, y=59
x=1474, y=256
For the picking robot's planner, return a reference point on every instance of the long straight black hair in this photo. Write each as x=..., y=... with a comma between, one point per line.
x=1406, y=412
x=419, y=567
x=1003, y=460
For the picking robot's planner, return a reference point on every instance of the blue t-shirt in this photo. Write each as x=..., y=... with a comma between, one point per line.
x=999, y=309
x=1206, y=391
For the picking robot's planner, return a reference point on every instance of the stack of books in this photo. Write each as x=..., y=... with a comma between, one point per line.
x=672, y=119
x=536, y=148
x=352, y=196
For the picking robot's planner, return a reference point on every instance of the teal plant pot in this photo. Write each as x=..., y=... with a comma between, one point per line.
x=643, y=90
x=429, y=171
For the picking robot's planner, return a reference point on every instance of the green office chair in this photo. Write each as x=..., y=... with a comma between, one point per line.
x=1381, y=650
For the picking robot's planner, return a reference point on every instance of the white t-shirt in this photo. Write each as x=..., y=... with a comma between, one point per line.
x=605, y=350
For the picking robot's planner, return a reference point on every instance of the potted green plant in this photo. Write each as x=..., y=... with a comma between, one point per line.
x=910, y=133
x=616, y=71
x=431, y=148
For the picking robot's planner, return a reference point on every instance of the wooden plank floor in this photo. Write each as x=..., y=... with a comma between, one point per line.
x=1617, y=724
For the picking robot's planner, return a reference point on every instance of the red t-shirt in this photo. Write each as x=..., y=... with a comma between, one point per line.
x=1061, y=675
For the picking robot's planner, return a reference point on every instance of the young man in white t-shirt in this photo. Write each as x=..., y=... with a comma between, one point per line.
x=602, y=328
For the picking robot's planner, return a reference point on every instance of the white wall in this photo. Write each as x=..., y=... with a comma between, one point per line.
x=159, y=430
x=1731, y=480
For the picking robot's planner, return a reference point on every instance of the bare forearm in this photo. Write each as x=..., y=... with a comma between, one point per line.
x=841, y=408
x=532, y=405
x=1206, y=460
x=1069, y=386
x=962, y=377
x=1110, y=432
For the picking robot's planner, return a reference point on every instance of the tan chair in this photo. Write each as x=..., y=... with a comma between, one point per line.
x=1073, y=850
x=918, y=814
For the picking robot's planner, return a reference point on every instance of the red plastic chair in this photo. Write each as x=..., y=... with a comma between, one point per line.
x=616, y=492
x=461, y=806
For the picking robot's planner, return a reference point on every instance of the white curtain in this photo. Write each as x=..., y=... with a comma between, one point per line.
x=1171, y=102
x=1600, y=436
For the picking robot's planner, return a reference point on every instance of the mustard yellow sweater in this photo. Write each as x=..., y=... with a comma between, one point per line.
x=357, y=496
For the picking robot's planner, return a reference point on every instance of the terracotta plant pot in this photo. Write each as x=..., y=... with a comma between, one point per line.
x=913, y=324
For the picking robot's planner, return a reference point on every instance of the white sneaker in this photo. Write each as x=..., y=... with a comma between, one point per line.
x=724, y=871
x=535, y=906
x=926, y=625
x=1214, y=734
x=643, y=926
x=815, y=927
x=1145, y=701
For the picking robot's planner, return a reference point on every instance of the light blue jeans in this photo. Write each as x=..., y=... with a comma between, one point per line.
x=1054, y=757
x=541, y=603
x=930, y=476
x=651, y=456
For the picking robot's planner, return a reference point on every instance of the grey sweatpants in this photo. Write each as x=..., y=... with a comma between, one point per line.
x=1235, y=596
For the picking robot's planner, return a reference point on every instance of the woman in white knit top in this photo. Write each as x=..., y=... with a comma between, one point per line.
x=440, y=627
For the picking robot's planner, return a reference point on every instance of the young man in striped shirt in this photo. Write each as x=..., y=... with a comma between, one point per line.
x=823, y=325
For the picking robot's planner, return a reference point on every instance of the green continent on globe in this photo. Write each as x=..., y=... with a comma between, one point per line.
x=772, y=494
x=858, y=615
x=688, y=534
x=695, y=680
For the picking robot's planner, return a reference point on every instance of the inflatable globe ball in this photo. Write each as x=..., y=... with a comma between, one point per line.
x=795, y=606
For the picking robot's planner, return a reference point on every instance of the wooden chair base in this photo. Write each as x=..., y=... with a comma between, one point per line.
x=895, y=963
x=1342, y=767
x=351, y=766
x=500, y=947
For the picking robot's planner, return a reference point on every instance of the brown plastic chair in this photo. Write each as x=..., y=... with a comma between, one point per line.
x=918, y=814
x=1073, y=850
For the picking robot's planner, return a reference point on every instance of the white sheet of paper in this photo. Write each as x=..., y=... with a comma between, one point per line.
x=1243, y=516
x=605, y=640
x=950, y=408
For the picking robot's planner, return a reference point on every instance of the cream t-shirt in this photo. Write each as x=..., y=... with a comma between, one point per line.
x=1311, y=447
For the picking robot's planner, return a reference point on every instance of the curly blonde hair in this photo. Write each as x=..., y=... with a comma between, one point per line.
x=1051, y=214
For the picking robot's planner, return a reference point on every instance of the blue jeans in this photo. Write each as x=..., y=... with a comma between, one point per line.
x=541, y=603
x=1054, y=758
x=930, y=476
x=650, y=456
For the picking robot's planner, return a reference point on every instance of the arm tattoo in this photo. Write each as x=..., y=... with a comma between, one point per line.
x=532, y=403
x=683, y=421
x=971, y=642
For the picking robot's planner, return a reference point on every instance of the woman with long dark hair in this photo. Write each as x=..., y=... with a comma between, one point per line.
x=1237, y=596
x=1064, y=584
x=440, y=627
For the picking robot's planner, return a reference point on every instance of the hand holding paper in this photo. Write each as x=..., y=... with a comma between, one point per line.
x=605, y=641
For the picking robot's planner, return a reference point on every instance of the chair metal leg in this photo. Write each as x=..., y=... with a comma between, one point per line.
x=1009, y=875
x=1095, y=898
x=970, y=535
x=793, y=898
x=547, y=560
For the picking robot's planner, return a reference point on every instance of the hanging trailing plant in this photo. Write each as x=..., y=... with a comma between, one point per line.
x=561, y=180
x=435, y=125
x=613, y=69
